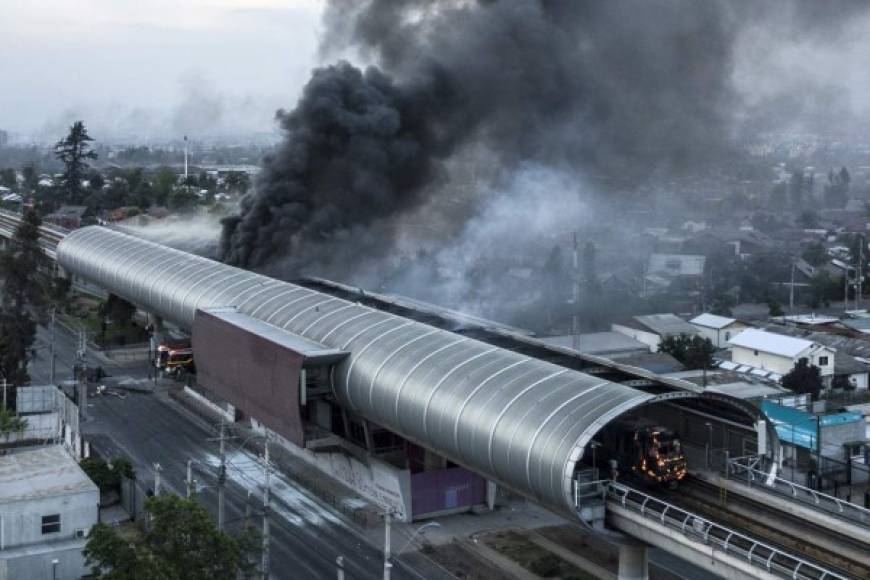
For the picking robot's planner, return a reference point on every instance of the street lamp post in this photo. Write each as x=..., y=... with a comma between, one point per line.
x=709, y=442
x=594, y=445
x=418, y=532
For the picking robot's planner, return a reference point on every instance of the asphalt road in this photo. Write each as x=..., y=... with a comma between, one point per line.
x=307, y=535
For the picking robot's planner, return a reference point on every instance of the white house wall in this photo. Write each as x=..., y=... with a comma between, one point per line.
x=648, y=338
x=22, y=520
x=782, y=364
x=720, y=337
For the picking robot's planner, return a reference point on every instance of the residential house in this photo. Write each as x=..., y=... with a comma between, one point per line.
x=599, y=343
x=47, y=507
x=739, y=242
x=719, y=329
x=777, y=353
x=67, y=216
x=853, y=353
x=677, y=265
x=651, y=329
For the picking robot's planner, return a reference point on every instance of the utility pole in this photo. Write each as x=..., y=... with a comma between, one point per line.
x=791, y=291
x=339, y=563
x=185, y=163
x=81, y=375
x=189, y=477
x=575, y=295
x=51, y=347
x=222, y=478
x=846, y=287
x=860, y=271
x=267, y=473
x=157, y=470
x=387, y=564
x=222, y=473
x=4, y=393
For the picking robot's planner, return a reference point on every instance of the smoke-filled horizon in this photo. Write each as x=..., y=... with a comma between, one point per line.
x=458, y=102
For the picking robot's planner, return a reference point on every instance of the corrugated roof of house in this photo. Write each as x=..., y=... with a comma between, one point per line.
x=712, y=321
x=770, y=342
x=666, y=324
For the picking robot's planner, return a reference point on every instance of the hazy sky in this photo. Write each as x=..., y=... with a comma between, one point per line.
x=142, y=69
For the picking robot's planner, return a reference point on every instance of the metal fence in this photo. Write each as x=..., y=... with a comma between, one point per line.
x=699, y=529
x=745, y=469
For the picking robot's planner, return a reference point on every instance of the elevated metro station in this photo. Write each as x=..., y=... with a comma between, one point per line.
x=429, y=412
x=425, y=414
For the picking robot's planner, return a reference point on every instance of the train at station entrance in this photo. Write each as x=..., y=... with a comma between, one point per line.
x=645, y=451
x=174, y=357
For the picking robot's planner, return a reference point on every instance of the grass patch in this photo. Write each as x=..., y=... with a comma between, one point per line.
x=533, y=557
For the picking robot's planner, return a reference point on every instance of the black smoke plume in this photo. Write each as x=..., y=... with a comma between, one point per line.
x=595, y=86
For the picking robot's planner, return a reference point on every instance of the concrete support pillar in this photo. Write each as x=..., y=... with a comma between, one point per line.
x=491, y=490
x=633, y=562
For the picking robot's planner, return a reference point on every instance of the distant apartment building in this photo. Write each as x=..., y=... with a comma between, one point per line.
x=47, y=507
x=719, y=329
x=779, y=354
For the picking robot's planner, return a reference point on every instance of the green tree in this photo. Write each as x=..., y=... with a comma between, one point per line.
x=74, y=151
x=837, y=188
x=808, y=220
x=237, y=182
x=778, y=195
x=107, y=475
x=182, y=201
x=774, y=308
x=803, y=378
x=824, y=288
x=10, y=422
x=815, y=254
x=118, y=310
x=694, y=352
x=182, y=541
x=31, y=178
x=8, y=178
x=26, y=293
x=96, y=180
x=164, y=182
x=798, y=187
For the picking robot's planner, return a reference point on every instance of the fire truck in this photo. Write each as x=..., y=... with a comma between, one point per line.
x=174, y=357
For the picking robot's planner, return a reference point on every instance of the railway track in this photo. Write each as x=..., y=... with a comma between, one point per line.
x=50, y=235
x=836, y=552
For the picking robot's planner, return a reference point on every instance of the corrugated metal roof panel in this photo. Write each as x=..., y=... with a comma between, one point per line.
x=770, y=342
x=466, y=400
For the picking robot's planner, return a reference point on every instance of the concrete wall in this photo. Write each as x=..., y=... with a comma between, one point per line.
x=762, y=360
x=834, y=436
x=35, y=563
x=22, y=520
x=255, y=375
x=376, y=480
x=720, y=337
x=648, y=338
x=782, y=364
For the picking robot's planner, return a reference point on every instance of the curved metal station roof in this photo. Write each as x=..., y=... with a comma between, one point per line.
x=517, y=420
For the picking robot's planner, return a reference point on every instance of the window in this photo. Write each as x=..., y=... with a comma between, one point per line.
x=51, y=524
x=727, y=335
x=804, y=360
x=755, y=352
x=823, y=361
